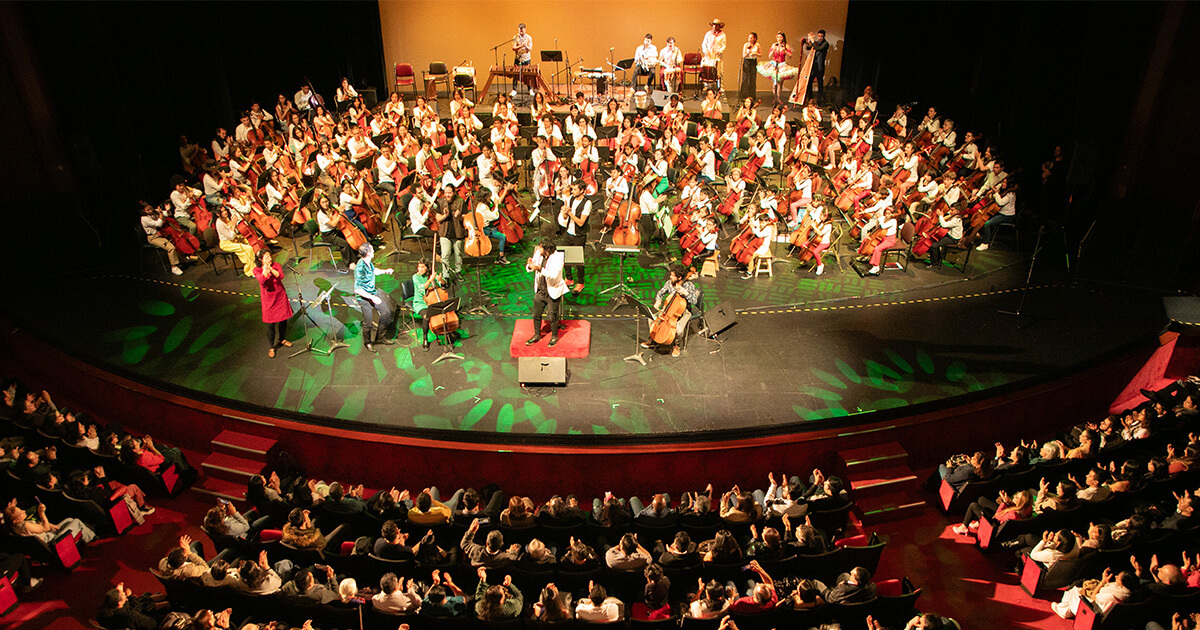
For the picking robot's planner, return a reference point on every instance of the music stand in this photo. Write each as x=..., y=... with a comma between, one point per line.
x=441, y=308
x=642, y=311
x=623, y=292
x=325, y=300
x=556, y=56
x=624, y=65
x=485, y=297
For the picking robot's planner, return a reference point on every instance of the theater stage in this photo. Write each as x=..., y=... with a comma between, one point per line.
x=805, y=349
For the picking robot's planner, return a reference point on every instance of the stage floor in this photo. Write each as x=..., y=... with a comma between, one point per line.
x=804, y=348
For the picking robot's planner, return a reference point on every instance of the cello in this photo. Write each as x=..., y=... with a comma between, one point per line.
x=185, y=242
x=665, y=325
x=443, y=323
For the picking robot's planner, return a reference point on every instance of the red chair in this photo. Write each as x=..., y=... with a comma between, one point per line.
x=405, y=75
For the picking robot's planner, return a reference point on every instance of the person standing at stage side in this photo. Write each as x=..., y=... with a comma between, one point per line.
x=776, y=68
x=645, y=62
x=820, y=49
x=678, y=284
x=522, y=48
x=371, y=300
x=573, y=219
x=712, y=49
x=276, y=309
x=449, y=215
x=751, y=51
x=548, y=288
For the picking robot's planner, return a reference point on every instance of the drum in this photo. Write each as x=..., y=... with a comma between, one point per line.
x=464, y=76
x=640, y=99
x=708, y=70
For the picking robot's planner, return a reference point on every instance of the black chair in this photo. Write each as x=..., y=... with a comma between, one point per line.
x=376, y=620
x=898, y=609
x=852, y=615
x=821, y=566
x=691, y=623
x=867, y=557
x=832, y=522
x=758, y=621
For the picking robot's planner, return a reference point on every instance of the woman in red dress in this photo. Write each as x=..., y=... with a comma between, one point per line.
x=276, y=309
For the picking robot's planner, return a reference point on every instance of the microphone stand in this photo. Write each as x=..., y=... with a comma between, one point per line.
x=496, y=57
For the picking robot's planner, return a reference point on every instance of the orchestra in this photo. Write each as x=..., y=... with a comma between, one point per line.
x=727, y=185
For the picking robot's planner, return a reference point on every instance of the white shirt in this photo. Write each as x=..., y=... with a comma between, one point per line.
x=954, y=224
x=670, y=57
x=929, y=190
x=552, y=271
x=713, y=45
x=151, y=225
x=485, y=167
x=385, y=167
x=1007, y=203
x=360, y=147
x=616, y=185
x=526, y=41
x=581, y=208
x=182, y=202
x=225, y=231
x=646, y=56
x=710, y=165
x=416, y=213
x=648, y=202
x=274, y=195
x=610, y=609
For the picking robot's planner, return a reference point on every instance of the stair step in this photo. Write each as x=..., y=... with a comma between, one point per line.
x=872, y=457
x=231, y=468
x=877, y=482
x=890, y=507
x=243, y=444
x=227, y=490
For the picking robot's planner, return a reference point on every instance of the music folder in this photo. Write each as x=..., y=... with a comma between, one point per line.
x=573, y=255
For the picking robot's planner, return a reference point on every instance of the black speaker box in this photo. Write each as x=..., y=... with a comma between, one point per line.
x=720, y=318
x=542, y=371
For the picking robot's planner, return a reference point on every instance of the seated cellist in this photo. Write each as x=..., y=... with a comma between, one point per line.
x=820, y=239
x=951, y=222
x=678, y=284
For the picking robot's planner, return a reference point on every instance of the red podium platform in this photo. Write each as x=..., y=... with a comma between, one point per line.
x=573, y=343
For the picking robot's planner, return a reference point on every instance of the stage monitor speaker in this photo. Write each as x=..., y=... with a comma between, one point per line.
x=720, y=318
x=370, y=98
x=661, y=98
x=542, y=371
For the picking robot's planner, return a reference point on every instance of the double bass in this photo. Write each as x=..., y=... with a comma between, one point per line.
x=477, y=242
x=627, y=232
x=663, y=329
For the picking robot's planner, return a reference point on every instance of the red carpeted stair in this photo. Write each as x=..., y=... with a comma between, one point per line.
x=573, y=343
x=884, y=488
x=235, y=458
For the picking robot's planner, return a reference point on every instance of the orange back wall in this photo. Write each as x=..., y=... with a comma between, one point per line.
x=421, y=31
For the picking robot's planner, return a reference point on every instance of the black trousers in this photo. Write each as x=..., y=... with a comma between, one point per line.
x=574, y=272
x=935, y=250
x=277, y=332
x=649, y=74
x=543, y=302
x=749, y=86
x=980, y=508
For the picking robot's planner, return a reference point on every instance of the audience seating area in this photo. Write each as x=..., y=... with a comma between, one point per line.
x=1133, y=514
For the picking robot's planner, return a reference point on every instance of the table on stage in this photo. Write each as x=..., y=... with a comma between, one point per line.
x=529, y=75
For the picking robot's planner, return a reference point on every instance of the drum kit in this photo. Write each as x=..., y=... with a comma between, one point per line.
x=603, y=80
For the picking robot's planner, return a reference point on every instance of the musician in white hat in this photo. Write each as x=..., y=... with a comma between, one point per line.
x=712, y=49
